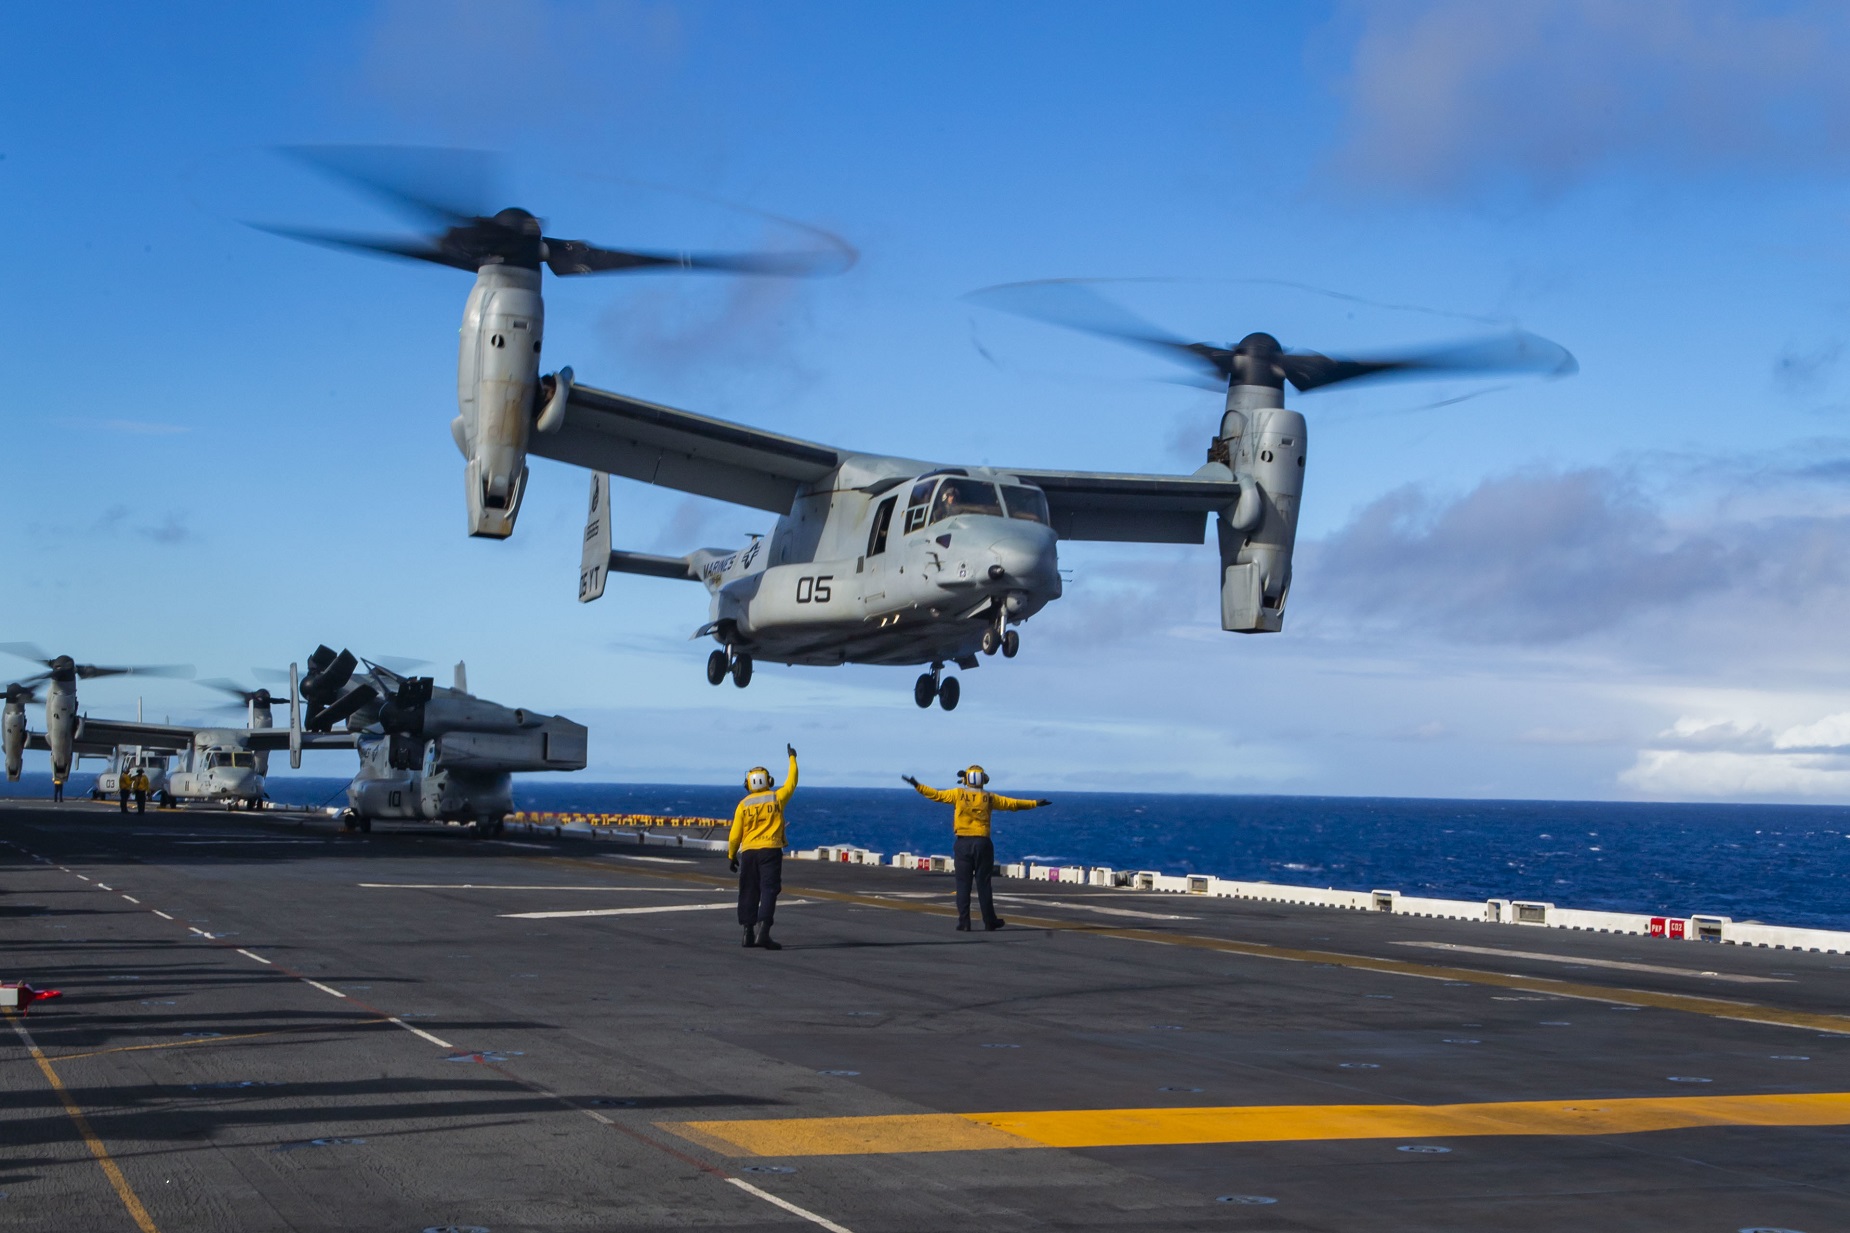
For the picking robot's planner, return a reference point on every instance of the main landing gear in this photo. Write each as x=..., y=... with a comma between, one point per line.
x=995, y=638
x=928, y=686
x=721, y=664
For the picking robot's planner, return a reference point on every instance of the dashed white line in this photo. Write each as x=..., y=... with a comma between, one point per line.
x=79, y=875
x=258, y=958
x=644, y=911
x=100, y=886
x=132, y=899
x=317, y=984
x=201, y=932
x=788, y=1206
x=435, y=1040
x=160, y=913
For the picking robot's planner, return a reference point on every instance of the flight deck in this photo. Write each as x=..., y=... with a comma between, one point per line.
x=268, y=1023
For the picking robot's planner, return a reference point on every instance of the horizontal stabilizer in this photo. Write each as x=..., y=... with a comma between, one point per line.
x=653, y=566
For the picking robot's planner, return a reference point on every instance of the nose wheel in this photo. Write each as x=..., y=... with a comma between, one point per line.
x=929, y=687
x=995, y=638
x=721, y=665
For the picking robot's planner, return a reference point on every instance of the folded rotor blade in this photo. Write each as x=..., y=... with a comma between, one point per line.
x=567, y=257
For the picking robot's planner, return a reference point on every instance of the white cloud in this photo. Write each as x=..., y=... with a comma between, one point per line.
x=1449, y=96
x=1678, y=774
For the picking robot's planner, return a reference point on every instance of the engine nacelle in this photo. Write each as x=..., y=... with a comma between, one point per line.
x=497, y=381
x=14, y=726
x=1266, y=449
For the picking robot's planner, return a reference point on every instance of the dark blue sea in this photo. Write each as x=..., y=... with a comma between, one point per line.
x=1781, y=864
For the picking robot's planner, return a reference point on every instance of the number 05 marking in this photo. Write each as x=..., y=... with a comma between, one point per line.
x=814, y=590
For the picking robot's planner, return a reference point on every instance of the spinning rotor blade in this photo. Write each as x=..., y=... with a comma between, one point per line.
x=568, y=257
x=1516, y=352
x=26, y=650
x=261, y=696
x=433, y=184
x=91, y=671
x=453, y=191
x=391, y=246
x=1259, y=359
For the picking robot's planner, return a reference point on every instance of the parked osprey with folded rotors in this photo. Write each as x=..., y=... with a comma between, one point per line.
x=874, y=559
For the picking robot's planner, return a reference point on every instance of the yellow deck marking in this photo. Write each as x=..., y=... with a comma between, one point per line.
x=1075, y=1128
x=1695, y=1004
x=125, y=1192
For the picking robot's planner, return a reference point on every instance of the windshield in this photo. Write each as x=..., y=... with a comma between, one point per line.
x=1028, y=504
x=231, y=759
x=965, y=496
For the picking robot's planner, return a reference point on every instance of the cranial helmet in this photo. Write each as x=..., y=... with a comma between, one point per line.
x=976, y=776
x=758, y=780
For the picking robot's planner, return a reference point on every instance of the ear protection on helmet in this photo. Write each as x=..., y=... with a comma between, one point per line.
x=757, y=780
x=975, y=777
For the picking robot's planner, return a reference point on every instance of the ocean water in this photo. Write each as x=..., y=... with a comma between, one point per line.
x=1782, y=864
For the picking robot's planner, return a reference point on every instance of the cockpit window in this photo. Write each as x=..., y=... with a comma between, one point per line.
x=965, y=496
x=916, y=507
x=1028, y=504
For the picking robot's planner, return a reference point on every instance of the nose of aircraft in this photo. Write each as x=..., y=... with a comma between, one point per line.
x=1024, y=554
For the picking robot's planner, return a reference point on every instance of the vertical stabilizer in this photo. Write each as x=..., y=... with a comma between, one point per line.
x=594, y=566
x=462, y=677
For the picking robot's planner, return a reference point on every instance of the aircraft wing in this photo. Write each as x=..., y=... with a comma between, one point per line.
x=108, y=735
x=278, y=738
x=1142, y=509
x=678, y=449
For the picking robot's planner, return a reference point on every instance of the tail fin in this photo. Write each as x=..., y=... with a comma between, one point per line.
x=594, y=565
x=462, y=677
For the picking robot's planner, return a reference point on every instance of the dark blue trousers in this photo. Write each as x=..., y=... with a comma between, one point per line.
x=975, y=858
x=761, y=879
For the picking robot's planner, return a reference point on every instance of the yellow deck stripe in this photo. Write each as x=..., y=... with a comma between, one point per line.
x=125, y=1192
x=965, y=1132
x=1694, y=1004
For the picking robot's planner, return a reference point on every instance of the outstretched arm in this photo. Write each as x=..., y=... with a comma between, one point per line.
x=1010, y=803
x=790, y=778
x=929, y=793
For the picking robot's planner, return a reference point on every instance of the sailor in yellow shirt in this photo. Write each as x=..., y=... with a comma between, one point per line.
x=974, y=853
x=756, y=849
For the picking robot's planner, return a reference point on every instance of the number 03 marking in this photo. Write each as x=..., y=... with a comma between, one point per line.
x=814, y=590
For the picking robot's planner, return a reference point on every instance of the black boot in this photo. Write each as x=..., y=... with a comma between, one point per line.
x=963, y=926
x=751, y=936
x=993, y=925
x=765, y=942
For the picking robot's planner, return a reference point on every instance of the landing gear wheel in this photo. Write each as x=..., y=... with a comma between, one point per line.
x=717, y=667
x=992, y=641
x=742, y=671
x=948, y=693
x=500, y=825
x=348, y=822
x=924, y=690
x=1011, y=644
x=366, y=826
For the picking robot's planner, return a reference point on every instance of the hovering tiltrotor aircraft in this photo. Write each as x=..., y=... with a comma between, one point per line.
x=426, y=752
x=896, y=561
x=875, y=559
x=63, y=723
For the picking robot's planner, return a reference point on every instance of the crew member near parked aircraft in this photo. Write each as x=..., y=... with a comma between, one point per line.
x=141, y=790
x=756, y=849
x=125, y=783
x=974, y=853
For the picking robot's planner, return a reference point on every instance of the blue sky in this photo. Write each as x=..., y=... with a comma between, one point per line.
x=225, y=447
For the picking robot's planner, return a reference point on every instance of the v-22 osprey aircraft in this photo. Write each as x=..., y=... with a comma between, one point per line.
x=874, y=559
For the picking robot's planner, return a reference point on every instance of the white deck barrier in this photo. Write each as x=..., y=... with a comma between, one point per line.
x=1695, y=927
